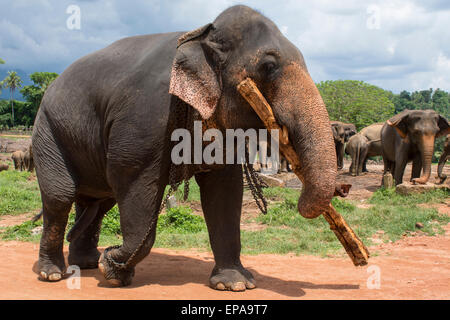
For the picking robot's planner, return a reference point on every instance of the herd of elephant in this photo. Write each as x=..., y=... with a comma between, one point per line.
x=407, y=136
x=23, y=160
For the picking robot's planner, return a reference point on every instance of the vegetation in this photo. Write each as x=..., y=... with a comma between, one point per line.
x=282, y=230
x=25, y=111
x=19, y=192
x=362, y=104
x=356, y=102
x=12, y=82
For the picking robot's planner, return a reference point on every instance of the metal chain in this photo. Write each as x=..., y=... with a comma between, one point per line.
x=255, y=183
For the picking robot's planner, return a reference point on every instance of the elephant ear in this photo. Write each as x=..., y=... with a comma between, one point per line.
x=399, y=123
x=334, y=127
x=444, y=127
x=193, y=79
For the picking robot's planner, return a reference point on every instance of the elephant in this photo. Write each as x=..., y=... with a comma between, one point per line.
x=18, y=159
x=28, y=159
x=341, y=133
x=444, y=157
x=357, y=147
x=373, y=135
x=3, y=166
x=104, y=131
x=410, y=136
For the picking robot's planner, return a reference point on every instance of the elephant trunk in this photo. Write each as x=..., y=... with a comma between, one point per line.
x=298, y=105
x=427, y=147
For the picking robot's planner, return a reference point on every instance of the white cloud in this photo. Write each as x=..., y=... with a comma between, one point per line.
x=408, y=48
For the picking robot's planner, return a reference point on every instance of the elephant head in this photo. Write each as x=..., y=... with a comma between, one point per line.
x=241, y=43
x=420, y=128
x=339, y=133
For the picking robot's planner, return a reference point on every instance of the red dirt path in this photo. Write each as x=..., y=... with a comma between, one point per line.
x=412, y=268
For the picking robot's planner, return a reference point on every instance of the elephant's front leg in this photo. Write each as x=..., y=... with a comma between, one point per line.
x=221, y=195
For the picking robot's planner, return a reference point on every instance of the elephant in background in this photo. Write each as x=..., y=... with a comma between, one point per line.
x=373, y=135
x=28, y=159
x=357, y=147
x=3, y=166
x=341, y=133
x=444, y=157
x=410, y=136
x=18, y=159
x=95, y=147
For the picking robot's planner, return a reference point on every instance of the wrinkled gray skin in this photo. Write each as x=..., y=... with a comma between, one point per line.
x=409, y=136
x=357, y=147
x=102, y=136
x=18, y=160
x=373, y=135
x=444, y=157
x=341, y=134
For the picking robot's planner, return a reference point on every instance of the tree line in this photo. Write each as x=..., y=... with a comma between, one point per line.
x=348, y=101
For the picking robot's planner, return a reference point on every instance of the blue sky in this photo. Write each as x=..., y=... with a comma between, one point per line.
x=398, y=44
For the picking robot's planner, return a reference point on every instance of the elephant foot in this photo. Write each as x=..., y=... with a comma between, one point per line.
x=84, y=260
x=113, y=273
x=441, y=179
x=51, y=271
x=419, y=181
x=233, y=279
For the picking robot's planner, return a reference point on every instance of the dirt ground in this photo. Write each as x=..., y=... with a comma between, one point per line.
x=412, y=268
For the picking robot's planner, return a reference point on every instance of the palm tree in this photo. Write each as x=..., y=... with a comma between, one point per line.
x=2, y=61
x=12, y=81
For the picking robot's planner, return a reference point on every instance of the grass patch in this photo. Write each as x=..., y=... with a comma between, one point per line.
x=286, y=231
x=19, y=192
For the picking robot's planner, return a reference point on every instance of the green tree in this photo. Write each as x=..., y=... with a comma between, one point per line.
x=12, y=82
x=356, y=102
x=33, y=93
x=2, y=61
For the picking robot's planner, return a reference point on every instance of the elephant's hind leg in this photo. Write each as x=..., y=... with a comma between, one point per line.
x=221, y=196
x=83, y=250
x=58, y=190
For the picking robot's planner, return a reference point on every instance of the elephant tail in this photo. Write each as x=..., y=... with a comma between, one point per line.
x=37, y=217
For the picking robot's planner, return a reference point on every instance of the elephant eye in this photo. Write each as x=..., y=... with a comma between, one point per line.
x=270, y=65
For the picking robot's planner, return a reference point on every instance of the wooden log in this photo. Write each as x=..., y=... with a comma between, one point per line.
x=354, y=247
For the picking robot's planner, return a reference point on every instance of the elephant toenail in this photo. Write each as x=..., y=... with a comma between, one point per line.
x=43, y=275
x=220, y=286
x=238, y=286
x=115, y=282
x=54, y=277
x=101, y=267
x=250, y=285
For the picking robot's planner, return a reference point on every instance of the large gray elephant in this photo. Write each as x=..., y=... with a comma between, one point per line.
x=409, y=136
x=103, y=135
x=341, y=134
x=444, y=157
